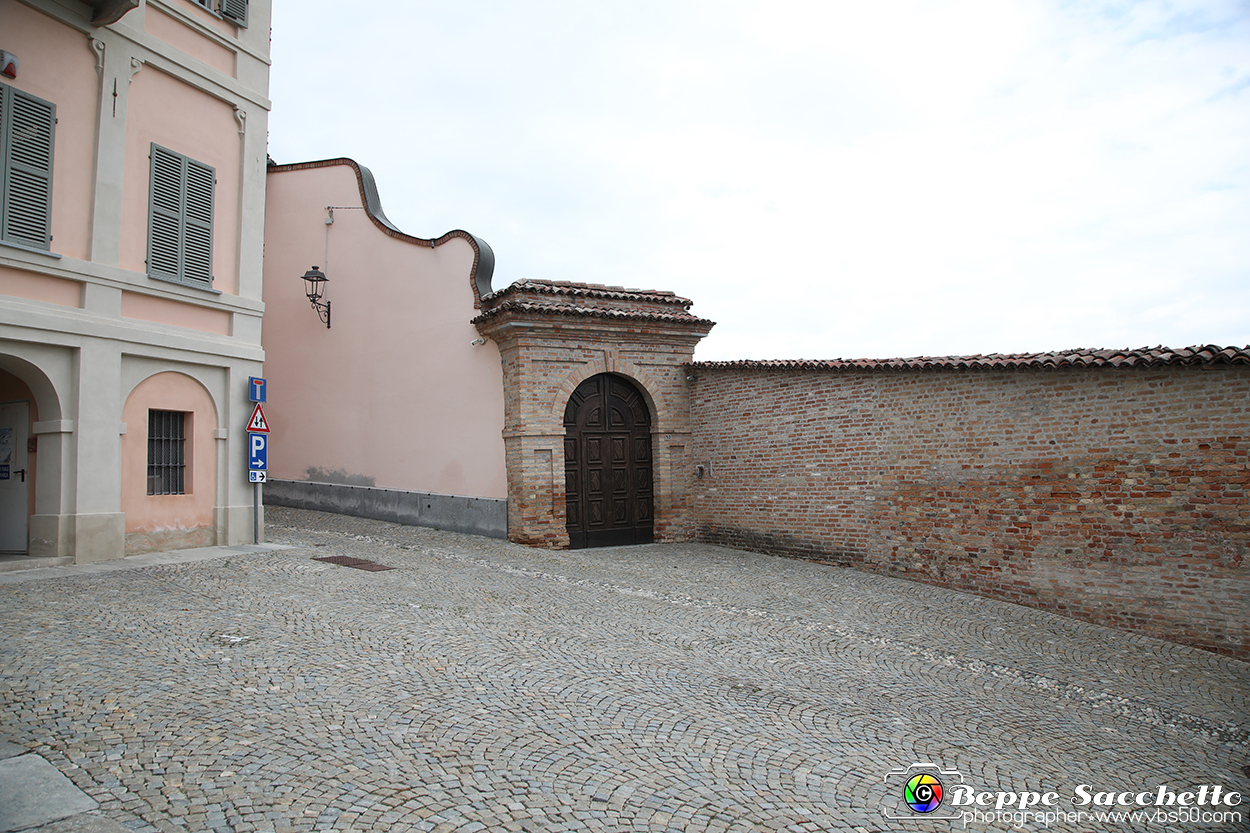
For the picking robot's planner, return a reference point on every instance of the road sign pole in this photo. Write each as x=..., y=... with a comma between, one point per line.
x=258, y=448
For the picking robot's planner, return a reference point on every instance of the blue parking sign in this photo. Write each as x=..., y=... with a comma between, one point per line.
x=258, y=452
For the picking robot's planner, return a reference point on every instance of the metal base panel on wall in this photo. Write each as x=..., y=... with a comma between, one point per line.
x=472, y=515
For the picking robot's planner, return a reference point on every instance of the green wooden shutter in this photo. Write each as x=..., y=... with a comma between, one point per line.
x=27, y=127
x=164, y=237
x=180, y=225
x=197, y=237
x=235, y=10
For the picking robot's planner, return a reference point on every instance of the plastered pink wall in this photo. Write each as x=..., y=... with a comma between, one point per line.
x=394, y=395
x=34, y=287
x=57, y=66
x=162, y=516
x=162, y=311
x=178, y=35
x=164, y=110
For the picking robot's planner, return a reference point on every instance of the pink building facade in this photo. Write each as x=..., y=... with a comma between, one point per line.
x=133, y=146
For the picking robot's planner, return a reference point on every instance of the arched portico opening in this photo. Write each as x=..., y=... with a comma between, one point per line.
x=18, y=458
x=36, y=438
x=608, y=464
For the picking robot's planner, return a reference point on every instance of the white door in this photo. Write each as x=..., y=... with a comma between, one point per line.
x=14, y=475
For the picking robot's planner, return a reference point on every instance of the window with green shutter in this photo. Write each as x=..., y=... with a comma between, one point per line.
x=235, y=10
x=27, y=125
x=180, y=220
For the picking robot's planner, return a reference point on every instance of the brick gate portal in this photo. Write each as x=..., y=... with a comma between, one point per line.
x=553, y=336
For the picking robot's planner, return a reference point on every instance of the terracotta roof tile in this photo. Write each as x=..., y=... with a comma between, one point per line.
x=588, y=290
x=1207, y=354
x=532, y=308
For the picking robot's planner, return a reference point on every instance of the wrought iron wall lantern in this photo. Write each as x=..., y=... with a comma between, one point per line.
x=314, y=287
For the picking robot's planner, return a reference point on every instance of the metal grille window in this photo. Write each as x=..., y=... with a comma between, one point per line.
x=166, y=454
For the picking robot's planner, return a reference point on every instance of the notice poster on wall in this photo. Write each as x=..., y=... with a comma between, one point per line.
x=6, y=452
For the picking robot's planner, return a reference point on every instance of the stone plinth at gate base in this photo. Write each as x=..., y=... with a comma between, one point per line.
x=554, y=336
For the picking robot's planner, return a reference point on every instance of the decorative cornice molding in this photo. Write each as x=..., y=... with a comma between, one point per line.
x=97, y=48
x=539, y=303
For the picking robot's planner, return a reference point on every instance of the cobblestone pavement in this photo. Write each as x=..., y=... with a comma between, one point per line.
x=483, y=685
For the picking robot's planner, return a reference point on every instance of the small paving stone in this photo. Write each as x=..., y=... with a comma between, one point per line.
x=482, y=685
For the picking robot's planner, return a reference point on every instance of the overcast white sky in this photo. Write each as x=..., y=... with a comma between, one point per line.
x=824, y=179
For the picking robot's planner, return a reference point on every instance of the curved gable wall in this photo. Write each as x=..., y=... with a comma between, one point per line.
x=401, y=396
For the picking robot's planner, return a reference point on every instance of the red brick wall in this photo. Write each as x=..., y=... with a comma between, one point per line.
x=1115, y=495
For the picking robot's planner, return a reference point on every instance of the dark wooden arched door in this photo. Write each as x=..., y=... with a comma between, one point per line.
x=607, y=464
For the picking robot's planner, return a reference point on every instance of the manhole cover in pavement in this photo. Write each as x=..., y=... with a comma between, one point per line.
x=230, y=638
x=356, y=563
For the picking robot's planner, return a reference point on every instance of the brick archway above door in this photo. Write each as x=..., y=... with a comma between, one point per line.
x=608, y=465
